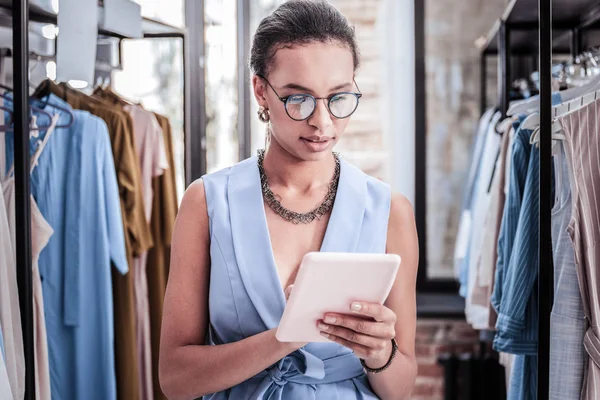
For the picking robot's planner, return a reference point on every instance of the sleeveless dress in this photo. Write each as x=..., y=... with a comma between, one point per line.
x=246, y=297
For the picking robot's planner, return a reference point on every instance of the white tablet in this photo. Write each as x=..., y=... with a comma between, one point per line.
x=330, y=282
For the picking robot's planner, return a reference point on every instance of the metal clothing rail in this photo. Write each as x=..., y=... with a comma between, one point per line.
x=546, y=264
x=543, y=27
x=194, y=130
x=22, y=188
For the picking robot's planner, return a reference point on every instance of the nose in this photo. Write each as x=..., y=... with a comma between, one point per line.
x=321, y=118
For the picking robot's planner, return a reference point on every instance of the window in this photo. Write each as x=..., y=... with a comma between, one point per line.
x=452, y=109
x=170, y=12
x=152, y=74
x=221, y=84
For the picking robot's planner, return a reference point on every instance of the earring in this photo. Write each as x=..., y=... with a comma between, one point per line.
x=267, y=137
x=263, y=114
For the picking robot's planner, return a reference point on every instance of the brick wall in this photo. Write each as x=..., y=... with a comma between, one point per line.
x=435, y=337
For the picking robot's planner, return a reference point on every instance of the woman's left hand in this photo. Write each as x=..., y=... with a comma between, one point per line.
x=369, y=334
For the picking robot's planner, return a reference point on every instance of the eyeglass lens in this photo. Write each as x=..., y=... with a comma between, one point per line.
x=301, y=106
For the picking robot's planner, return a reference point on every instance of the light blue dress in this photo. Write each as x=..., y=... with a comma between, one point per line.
x=246, y=296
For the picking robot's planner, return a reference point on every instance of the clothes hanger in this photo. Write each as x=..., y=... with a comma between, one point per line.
x=561, y=111
x=42, y=91
x=34, y=108
x=592, y=85
x=41, y=111
x=108, y=93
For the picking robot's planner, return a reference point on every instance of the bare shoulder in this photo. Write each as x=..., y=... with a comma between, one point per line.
x=401, y=211
x=195, y=195
x=193, y=206
x=402, y=232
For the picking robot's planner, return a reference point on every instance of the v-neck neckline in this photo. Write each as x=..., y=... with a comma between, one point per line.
x=254, y=250
x=265, y=231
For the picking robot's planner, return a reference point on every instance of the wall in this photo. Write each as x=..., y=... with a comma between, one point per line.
x=435, y=337
x=363, y=143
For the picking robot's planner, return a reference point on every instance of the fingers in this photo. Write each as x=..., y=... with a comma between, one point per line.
x=376, y=311
x=352, y=336
x=360, y=350
x=381, y=330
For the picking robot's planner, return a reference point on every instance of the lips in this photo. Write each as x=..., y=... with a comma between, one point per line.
x=317, y=139
x=316, y=144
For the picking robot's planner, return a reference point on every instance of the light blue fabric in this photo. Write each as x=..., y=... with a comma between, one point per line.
x=2, y=345
x=515, y=292
x=516, y=268
x=523, y=382
x=76, y=190
x=246, y=297
x=567, y=321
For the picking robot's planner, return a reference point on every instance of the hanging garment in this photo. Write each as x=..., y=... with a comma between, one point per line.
x=138, y=238
x=523, y=380
x=477, y=308
x=164, y=212
x=127, y=164
x=507, y=361
x=583, y=152
x=150, y=147
x=507, y=174
x=464, y=227
x=10, y=314
x=76, y=190
x=512, y=209
x=484, y=171
x=515, y=291
x=2, y=141
x=41, y=232
x=567, y=321
x=517, y=315
x=5, y=391
x=245, y=292
x=2, y=354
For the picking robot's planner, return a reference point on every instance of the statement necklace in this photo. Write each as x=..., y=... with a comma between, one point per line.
x=292, y=216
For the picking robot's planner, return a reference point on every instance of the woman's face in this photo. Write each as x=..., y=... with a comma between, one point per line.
x=319, y=69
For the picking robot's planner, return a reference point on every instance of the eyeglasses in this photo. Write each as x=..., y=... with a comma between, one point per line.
x=302, y=106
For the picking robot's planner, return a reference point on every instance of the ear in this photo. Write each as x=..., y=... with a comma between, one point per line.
x=260, y=91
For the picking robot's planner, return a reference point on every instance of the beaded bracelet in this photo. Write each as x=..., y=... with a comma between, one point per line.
x=387, y=365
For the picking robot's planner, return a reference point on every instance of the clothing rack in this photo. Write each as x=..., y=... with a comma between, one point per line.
x=543, y=27
x=22, y=13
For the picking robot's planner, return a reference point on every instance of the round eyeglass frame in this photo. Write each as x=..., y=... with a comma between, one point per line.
x=286, y=98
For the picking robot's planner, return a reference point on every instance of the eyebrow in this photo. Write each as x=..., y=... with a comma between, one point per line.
x=296, y=86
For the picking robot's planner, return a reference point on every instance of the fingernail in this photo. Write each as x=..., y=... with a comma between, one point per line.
x=356, y=307
x=329, y=319
x=322, y=326
x=325, y=334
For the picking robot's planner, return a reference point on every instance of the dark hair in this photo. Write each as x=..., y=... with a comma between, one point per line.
x=298, y=22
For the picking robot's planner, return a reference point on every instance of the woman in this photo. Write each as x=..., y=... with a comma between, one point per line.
x=237, y=243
